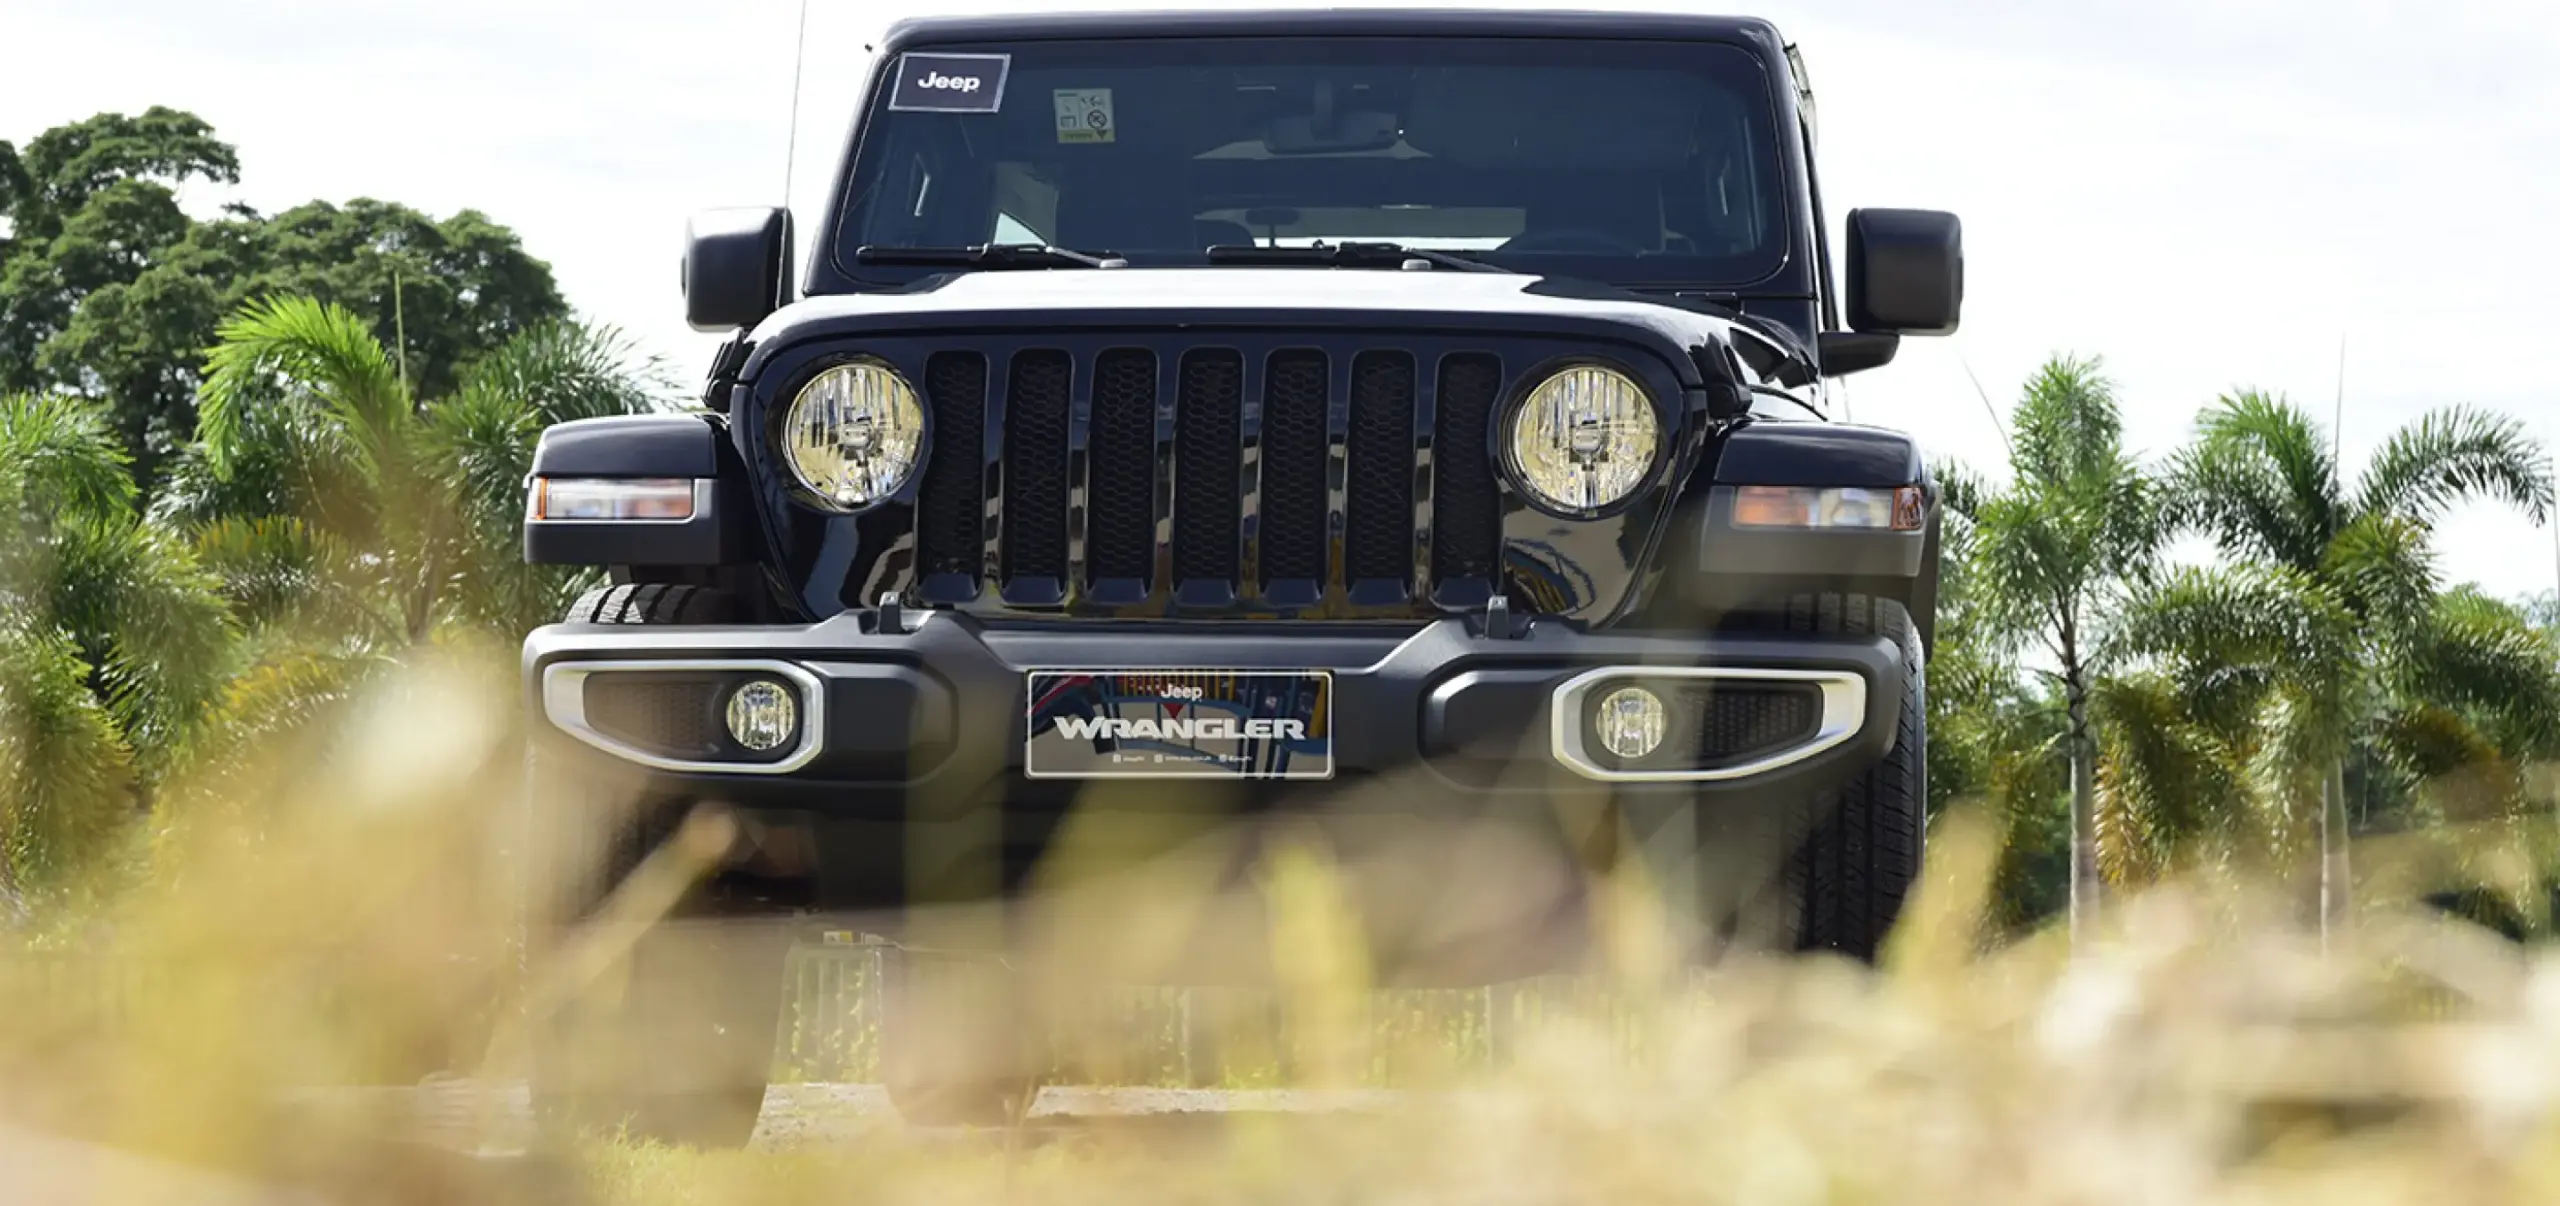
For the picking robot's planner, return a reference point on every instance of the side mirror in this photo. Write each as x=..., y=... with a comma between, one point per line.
x=737, y=266
x=1905, y=270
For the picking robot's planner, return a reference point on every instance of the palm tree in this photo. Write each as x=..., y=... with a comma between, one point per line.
x=2263, y=483
x=333, y=499
x=2062, y=546
x=1990, y=741
x=112, y=640
x=2236, y=682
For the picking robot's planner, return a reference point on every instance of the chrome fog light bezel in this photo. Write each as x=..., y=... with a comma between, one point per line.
x=564, y=704
x=1843, y=717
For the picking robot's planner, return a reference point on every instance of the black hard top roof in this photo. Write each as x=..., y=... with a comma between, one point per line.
x=1382, y=22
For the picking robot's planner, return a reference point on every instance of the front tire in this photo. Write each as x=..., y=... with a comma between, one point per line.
x=675, y=1043
x=1854, y=871
x=1827, y=873
x=959, y=1044
x=679, y=1050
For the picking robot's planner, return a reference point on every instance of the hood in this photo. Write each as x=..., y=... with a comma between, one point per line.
x=1313, y=298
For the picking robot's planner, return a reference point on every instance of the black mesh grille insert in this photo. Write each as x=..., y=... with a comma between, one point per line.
x=1728, y=722
x=1293, y=467
x=1378, y=532
x=954, y=492
x=1120, y=467
x=1208, y=426
x=1466, y=509
x=1035, y=465
x=671, y=717
x=678, y=714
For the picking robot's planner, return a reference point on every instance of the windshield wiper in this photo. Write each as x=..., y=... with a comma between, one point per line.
x=990, y=255
x=1349, y=255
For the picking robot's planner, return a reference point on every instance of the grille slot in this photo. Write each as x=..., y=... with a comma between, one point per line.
x=952, y=504
x=1120, y=472
x=1377, y=543
x=1037, y=401
x=1207, y=456
x=1466, y=508
x=1293, y=469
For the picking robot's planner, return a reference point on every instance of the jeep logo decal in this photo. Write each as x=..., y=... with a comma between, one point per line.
x=950, y=83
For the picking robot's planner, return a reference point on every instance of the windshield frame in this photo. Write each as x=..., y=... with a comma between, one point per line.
x=837, y=270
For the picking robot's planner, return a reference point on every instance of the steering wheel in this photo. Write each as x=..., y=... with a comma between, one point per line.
x=1574, y=239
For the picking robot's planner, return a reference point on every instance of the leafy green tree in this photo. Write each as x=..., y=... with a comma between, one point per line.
x=112, y=642
x=2063, y=545
x=2263, y=482
x=110, y=290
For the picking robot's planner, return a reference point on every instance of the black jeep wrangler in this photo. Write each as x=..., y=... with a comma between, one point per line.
x=1370, y=421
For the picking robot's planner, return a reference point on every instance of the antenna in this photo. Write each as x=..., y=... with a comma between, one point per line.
x=2338, y=417
x=1997, y=424
x=791, y=144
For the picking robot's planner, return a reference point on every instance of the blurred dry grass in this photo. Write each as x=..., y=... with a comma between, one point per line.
x=329, y=920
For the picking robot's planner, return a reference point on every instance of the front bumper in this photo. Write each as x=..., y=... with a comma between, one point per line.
x=928, y=717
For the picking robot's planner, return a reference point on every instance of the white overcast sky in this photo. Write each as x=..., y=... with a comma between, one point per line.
x=2207, y=193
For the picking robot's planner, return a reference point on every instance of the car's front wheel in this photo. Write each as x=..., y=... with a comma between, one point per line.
x=1828, y=873
x=675, y=1040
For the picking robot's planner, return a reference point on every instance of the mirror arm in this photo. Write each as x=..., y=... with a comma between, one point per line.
x=1846, y=352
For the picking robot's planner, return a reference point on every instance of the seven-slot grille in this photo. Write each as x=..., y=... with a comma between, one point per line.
x=1210, y=476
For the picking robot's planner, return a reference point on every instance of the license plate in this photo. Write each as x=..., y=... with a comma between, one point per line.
x=1179, y=724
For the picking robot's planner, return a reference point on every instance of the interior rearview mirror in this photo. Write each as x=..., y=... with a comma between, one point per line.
x=1905, y=270
x=1355, y=130
x=737, y=265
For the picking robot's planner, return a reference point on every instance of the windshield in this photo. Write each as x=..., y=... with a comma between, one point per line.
x=1618, y=161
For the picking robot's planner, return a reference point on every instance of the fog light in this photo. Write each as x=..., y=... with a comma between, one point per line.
x=761, y=716
x=1631, y=722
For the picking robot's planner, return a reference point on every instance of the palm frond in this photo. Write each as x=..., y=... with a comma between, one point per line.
x=2460, y=771
x=1961, y=490
x=60, y=453
x=2383, y=567
x=2067, y=425
x=2258, y=479
x=2482, y=658
x=2172, y=794
x=70, y=781
x=154, y=625
x=2454, y=455
x=285, y=461
x=562, y=370
x=297, y=352
x=2246, y=614
x=284, y=573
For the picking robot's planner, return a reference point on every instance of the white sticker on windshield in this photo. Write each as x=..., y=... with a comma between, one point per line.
x=1084, y=115
x=950, y=83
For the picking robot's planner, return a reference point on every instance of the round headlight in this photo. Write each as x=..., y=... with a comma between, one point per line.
x=855, y=434
x=1584, y=438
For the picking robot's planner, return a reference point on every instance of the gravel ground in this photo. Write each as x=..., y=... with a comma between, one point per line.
x=794, y=1114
